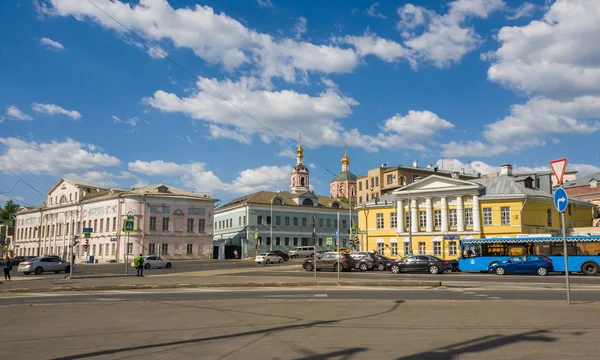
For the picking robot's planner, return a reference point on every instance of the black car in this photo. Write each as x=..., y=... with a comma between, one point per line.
x=381, y=262
x=419, y=263
x=282, y=254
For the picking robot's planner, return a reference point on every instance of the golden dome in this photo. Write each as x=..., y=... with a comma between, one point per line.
x=300, y=151
x=345, y=159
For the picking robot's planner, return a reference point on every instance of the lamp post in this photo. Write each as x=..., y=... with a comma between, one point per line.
x=271, y=229
x=366, y=227
x=126, y=248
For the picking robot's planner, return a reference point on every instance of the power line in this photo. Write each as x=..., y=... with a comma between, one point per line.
x=25, y=182
x=29, y=172
x=8, y=192
x=14, y=199
x=196, y=77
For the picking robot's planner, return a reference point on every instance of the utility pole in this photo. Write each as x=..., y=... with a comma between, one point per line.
x=337, y=240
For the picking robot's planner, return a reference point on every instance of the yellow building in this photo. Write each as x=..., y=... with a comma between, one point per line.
x=448, y=210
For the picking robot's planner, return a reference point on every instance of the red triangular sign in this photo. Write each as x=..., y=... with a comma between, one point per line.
x=558, y=167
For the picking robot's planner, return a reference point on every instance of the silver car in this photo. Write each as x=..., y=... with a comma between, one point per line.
x=44, y=264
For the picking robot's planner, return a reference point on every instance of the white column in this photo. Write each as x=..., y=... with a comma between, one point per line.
x=399, y=217
x=429, y=214
x=460, y=214
x=414, y=216
x=476, y=218
x=444, y=214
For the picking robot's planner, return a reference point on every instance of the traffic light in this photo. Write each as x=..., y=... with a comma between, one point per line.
x=86, y=246
x=75, y=240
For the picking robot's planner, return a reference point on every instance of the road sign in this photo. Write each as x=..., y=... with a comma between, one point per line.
x=337, y=234
x=87, y=235
x=353, y=231
x=256, y=235
x=558, y=168
x=88, y=230
x=561, y=200
x=329, y=241
x=128, y=225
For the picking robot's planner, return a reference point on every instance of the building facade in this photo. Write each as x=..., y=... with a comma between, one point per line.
x=169, y=222
x=431, y=215
x=385, y=179
x=343, y=185
x=586, y=188
x=7, y=229
x=283, y=220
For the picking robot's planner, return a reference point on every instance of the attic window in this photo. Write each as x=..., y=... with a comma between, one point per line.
x=308, y=202
x=163, y=189
x=528, y=183
x=278, y=201
x=178, y=212
x=593, y=184
x=335, y=204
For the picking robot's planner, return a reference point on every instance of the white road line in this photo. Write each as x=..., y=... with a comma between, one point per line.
x=295, y=296
x=494, y=298
x=480, y=295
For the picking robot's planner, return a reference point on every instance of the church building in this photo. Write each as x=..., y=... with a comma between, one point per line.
x=343, y=185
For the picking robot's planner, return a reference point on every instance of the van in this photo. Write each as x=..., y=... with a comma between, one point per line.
x=303, y=251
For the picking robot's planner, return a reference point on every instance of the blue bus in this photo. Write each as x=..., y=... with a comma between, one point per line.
x=482, y=254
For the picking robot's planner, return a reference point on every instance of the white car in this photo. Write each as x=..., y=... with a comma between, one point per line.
x=153, y=261
x=44, y=264
x=268, y=258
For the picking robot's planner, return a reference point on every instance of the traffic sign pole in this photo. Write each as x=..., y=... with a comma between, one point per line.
x=561, y=201
x=562, y=219
x=337, y=241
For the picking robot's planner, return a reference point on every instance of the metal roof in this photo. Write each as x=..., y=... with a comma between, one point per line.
x=582, y=181
x=531, y=239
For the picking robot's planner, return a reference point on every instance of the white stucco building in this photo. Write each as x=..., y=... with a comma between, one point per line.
x=169, y=222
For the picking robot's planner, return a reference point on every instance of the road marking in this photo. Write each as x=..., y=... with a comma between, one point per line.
x=295, y=296
x=480, y=295
x=494, y=298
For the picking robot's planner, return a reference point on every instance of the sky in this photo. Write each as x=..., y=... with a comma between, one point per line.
x=211, y=96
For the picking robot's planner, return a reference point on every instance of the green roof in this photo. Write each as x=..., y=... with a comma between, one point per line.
x=344, y=176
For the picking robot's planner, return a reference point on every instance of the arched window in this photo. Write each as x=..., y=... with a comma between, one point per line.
x=63, y=199
x=302, y=181
x=335, y=204
x=308, y=202
x=278, y=201
x=178, y=212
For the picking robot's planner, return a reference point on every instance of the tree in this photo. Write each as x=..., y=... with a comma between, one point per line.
x=10, y=209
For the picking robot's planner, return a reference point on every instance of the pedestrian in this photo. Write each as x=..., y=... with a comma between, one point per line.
x=235, y=253
x=7, y=268
x=139, y=264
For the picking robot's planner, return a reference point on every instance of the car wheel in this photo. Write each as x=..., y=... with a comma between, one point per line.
x=67, y=269
x=395, y=269
x=39, y=270
x=381, y=267
x=491, y=265
x=268, y=262
x=279, y=261
x=589, y=268
x=363, y=267
x=541, y=271
x=336, y=267
x=26, y=273
x=169, y=265
x=433, y=269
x=500, y=270
x=308, y=266
x=147, y=266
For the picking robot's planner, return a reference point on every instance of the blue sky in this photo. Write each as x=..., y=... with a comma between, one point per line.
x=479, y=81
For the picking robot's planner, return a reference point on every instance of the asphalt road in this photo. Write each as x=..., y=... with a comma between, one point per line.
x=362, y=293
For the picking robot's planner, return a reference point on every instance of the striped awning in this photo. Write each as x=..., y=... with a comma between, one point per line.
x=514, y=240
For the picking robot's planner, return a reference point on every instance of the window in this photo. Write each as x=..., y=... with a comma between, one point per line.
x=394, y=248
x=407, y=248
x=277, y=241
x=100, y=248
x=407, y=218
x=469, y=217
x=129, y=248
x=165, y=224
x=94, y=249
x=376, y=180
x=335, y=223
x=360, y=199
x=549, y=217
x=487, y=216
x=328, y=223
x=569, y=209
x=452, y=248
x=372, y=182
x=380, y=248
x=320, y=222
x=95, y=228
x=152, y=223
x=114, y=224
x=380, y=221
x=200, y=225
x=107, y=224
x=303, y=221
x=190, y=225
x=367, y=197
x=240, y=221
x=295, y=241
x=268, y=220
x=101, y=225
x=422, y=219
x=152, y=249
x=505, y=215
x=343, y=224
x=287, y=221
x=393, y=219
x=164, y=249
x=189, y=250
x=259, y=221
x=287, y=241
x=307, y=202
x=422, y=248
x=437, y=218
x=66, y=230
x=390, y=179
x=359, y=186
x=453, y=218
x=295, y=221
x=244, y=219
x=268, y=240
x=320, y=241
x=437, y=248
x=277, y=220
x=113, y=249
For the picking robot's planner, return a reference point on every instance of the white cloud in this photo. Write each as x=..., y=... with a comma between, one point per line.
x=526, y=9
x=417, y=124
x=483, y=168
x=14, y=198
x=473, y=148
x=300, y=27
x=14, y=113
x=445, y=39
x=373, y=12
x=116, y=119
x=51, y=44
x=51, y=109
x=52, y=158
x=189, y=139
x=100, y=178
x=265, y=3
x=218, y=132
x=371, y=44
x=196, y=176
x=2, y=119
x=287, y=153
x=132, y=121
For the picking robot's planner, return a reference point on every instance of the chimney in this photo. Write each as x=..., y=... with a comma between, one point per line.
x=506, y=170
x=430, y=166
x=416, y=163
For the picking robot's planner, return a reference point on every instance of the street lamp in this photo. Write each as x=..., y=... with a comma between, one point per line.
x=366, y=227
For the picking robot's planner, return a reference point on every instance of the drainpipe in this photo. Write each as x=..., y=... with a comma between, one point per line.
x=521, y=213
x=143, y=223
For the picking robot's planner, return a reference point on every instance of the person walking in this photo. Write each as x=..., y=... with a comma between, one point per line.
x=7, y=268
x=139, y=264
x=235, y=253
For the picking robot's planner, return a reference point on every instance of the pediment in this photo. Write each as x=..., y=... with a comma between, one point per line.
x=436, y=184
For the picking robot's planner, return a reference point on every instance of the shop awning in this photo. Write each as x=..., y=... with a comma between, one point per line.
x=531, y=239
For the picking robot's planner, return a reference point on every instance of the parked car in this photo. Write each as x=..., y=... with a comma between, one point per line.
x=364, y=260
x=153, y=261
x=419, y=263
x=268, y=257
x=44, y=264
x=330, y=261
x=303, y=251
x=282, y=255
x=524, y=264
x=381, y=262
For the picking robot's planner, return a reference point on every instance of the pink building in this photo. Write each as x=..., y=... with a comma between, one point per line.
x=169, y=222
x=343, y=185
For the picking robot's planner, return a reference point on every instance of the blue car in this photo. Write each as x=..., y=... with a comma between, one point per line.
x=524, y=264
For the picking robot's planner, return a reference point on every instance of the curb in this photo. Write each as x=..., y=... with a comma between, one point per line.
x=224, y=285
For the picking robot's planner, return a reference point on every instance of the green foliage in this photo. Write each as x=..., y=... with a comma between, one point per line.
x=9, y=209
